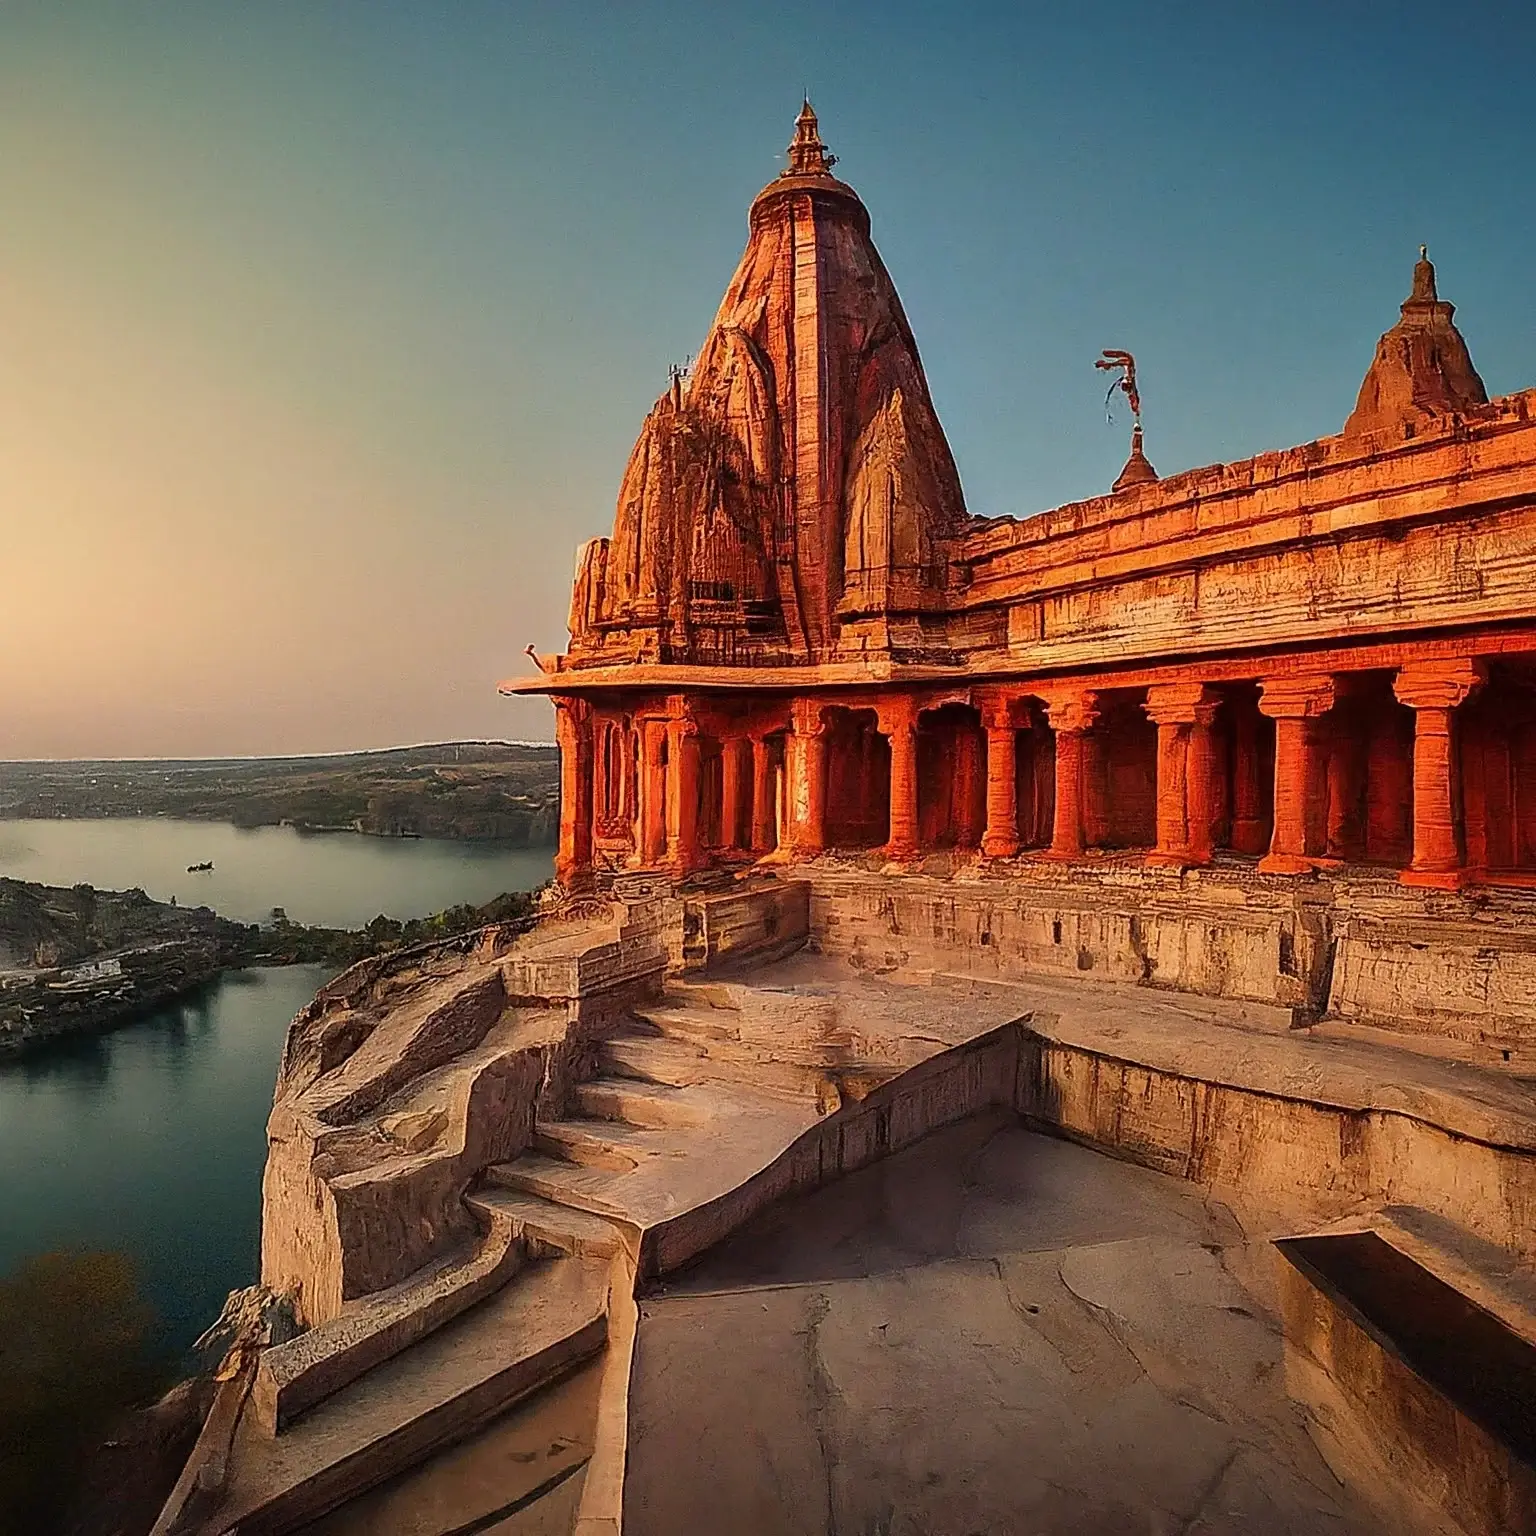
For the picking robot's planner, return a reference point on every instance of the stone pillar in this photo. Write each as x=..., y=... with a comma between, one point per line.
x=1186, y=793
x=1001, y=839
x=1248, y=832
x=897, y=719
x=1071, y=716
x=1200, y=784
x=683, y=851
x=735, y=786
x=1432, y=690
x=764, y=828
x=806, y=764
x=573, y=734
x=1294, y=703
x=653, y=791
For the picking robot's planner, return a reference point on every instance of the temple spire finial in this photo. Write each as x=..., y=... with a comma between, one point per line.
x=808, y=156
x=1423, y=279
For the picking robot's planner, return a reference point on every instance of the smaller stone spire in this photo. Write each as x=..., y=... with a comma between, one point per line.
x=808, y=156
x=1138, y=468
x=1422, y=370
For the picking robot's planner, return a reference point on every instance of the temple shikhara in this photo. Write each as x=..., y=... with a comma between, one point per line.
x=798, y=640
x=1035, y=1027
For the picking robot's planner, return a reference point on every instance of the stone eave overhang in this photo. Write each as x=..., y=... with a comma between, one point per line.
x=682, y=678
x=1343, y=652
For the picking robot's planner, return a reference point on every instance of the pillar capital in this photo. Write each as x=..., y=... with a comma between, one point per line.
x=1438, y=684
x=1002, y=709
x=808, y=718
x=1072, y=711
x=572, y=713
x=1180, y=704
x=896, y=712
x=677, y=717
x=1303, y=697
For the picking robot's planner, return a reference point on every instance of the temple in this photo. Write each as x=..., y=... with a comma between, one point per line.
x=1036, y=1024
x=799, y=642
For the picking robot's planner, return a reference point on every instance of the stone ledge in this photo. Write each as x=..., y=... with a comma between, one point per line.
x=295, y=1376
x=456, y=1380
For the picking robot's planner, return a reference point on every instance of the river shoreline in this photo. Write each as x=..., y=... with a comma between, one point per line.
x=75, y=961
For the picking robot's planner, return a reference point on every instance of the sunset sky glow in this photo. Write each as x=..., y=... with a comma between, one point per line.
x=326, y=328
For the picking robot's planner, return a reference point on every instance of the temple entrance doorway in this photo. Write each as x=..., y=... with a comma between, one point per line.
x=1120, y=773
x=858, y=810
x=951, y=777
x=1496, y=728
x=615, y=787
x=1365, y=813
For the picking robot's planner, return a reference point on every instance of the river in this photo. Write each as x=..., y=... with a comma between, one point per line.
x=151, y=1139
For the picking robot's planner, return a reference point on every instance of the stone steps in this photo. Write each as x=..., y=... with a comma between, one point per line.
x=632, y=1102
x=594, y=1143
x=293, y=1377
x=558, y=1182
x=696, y=1022
x=682, y=1063
x=652, y=1060
x=526, y=1335
x=546, y=1228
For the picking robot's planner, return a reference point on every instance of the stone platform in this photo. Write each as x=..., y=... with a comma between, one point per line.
x=614, y=1095
x=990, y=1331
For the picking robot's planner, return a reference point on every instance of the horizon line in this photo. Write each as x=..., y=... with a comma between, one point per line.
x=285, y=757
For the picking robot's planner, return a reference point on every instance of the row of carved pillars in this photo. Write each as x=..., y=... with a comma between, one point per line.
x=1308, y=777
x=1311, y=792
x=668, y=791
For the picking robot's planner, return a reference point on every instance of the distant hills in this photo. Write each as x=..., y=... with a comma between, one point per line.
x=469, y=789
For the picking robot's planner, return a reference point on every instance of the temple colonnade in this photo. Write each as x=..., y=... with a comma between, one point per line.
x=1428, y=767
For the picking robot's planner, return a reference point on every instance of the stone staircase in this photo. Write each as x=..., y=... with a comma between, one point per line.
x=701, y=1107
x=448, y=1384
x=679, y=1113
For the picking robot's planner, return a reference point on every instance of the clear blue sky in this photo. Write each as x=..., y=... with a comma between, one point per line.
x=326, y=329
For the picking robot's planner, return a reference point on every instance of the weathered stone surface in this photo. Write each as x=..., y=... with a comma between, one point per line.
x=406, y=1078
x=751, y=1083
x=972, y=1360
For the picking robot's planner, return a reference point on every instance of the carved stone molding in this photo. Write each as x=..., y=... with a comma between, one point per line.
x=1302, y=697
x=1439, y=684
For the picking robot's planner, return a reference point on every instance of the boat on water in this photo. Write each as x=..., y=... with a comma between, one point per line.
x=198, y=869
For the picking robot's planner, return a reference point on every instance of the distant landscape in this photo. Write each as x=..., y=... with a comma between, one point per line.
x=471, y=790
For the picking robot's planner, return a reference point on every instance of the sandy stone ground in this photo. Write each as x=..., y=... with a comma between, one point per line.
x=990, y=1332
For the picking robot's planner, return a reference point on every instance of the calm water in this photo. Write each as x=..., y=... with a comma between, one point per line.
x=152, y=1139
x=336, y=879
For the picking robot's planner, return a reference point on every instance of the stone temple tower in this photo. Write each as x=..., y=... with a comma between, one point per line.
x=795, y=499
